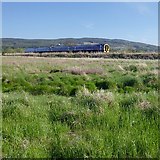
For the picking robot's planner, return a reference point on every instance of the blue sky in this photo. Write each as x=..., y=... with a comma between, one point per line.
x=35, y=20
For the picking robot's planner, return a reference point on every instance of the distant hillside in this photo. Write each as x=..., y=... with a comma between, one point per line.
x=116, y=44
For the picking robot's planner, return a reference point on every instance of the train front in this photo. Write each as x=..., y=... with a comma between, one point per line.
x=106, y=48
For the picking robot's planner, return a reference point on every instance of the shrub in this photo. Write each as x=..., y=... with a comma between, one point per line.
x=128, y=81
x=150, y=80
x=39, y=89
x=104, y=84
x=68, y=90
x=90, y=86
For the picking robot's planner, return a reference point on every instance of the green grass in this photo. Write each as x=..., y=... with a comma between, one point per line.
x=109, y=114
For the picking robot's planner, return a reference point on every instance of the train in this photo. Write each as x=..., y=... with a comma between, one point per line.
x=77, y=48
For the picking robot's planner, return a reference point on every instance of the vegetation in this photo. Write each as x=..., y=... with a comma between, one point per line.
x=81, y=108
x=12, y=50
x=117, y=45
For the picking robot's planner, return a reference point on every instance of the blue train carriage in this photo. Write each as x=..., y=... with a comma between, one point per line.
x=78, y=48
x=90, y=48
x=81, y=48
x=37, y=50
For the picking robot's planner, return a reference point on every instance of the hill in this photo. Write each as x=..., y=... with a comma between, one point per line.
x=116, y=44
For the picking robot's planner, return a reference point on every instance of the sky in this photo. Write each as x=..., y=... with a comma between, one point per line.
x=43, y=20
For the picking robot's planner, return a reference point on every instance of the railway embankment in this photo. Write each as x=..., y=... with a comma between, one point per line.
x=90, y=55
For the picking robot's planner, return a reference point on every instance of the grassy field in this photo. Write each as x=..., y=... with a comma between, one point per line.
x=79, y=108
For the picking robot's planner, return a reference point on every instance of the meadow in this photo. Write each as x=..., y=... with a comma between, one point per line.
x=80, y=108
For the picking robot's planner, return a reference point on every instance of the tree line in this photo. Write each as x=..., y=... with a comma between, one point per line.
x=12, y=50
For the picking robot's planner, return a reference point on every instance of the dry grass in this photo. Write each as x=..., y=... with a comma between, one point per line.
x=83, y=71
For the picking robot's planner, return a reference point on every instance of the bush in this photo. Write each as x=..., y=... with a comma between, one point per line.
x=90, y=86
x=105, y=84
x=128, y=81
x=66, y=90
x=12, y=50
x=150, y=80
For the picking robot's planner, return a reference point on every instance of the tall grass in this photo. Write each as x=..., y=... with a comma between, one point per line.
x=94, y=115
